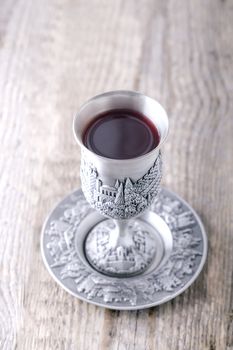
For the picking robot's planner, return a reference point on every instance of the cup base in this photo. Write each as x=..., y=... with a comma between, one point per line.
x=122, y=256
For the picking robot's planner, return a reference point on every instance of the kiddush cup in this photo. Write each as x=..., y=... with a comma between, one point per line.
x=105, y=243
x=120, y=189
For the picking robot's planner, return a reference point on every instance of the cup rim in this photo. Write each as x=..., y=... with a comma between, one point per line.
x=78, y=139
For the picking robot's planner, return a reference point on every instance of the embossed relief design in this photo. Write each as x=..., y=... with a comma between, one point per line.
x=113, y=258
x=126, y=198
x=60, y=241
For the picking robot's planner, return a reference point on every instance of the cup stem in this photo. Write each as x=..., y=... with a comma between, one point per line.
x=121, y=235
x=121, y=227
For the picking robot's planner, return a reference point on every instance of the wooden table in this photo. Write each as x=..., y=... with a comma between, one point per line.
x=53, y=56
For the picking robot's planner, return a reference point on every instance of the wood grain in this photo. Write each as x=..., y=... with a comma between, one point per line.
x=53, y=56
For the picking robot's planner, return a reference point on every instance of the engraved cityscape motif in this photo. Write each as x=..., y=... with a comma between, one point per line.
x=67, y=266
x=126, y=198
x=120, y=259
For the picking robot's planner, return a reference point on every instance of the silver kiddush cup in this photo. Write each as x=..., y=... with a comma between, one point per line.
x=122, y=243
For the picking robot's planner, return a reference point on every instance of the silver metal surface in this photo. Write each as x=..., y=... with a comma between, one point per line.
x=126, y=198
x=121, y=255
x=181, y=249
x=120, y=188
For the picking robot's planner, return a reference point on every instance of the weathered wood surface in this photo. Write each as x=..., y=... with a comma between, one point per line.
x=53, y=56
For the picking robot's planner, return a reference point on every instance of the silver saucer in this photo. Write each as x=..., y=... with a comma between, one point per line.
x=181, y=250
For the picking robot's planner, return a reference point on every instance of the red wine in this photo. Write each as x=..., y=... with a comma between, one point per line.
x=121, y=134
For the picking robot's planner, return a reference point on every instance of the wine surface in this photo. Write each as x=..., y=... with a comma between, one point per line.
x=121, y=134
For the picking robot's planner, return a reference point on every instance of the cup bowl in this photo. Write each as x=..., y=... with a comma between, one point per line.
x=120, y=188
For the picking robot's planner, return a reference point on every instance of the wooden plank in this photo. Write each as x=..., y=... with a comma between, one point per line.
x=53, y=56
